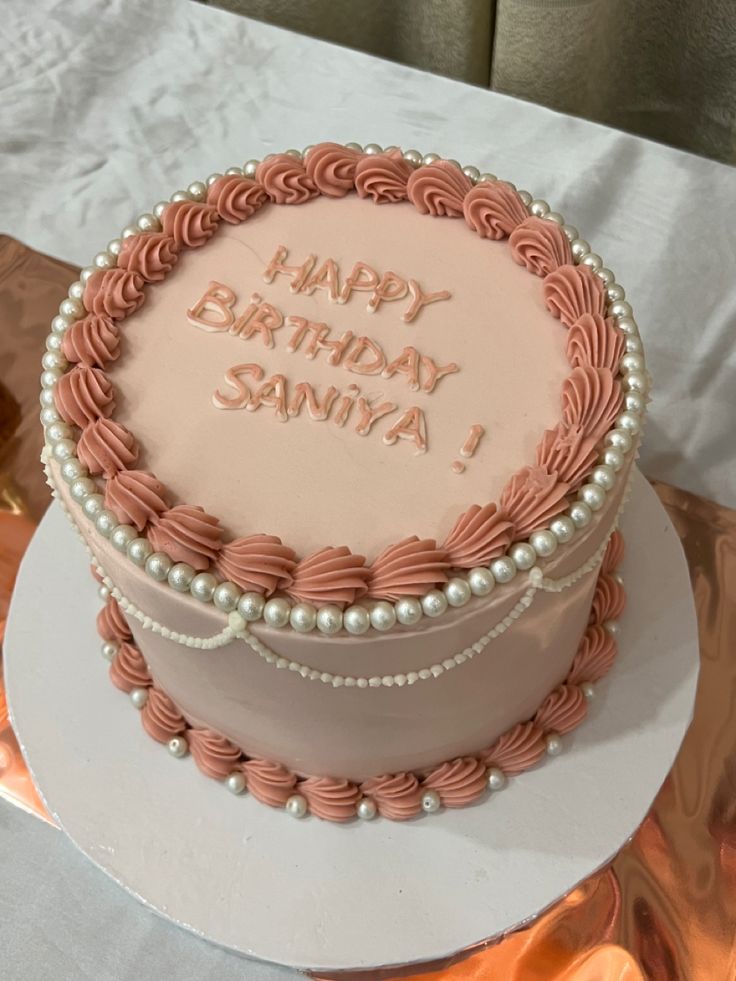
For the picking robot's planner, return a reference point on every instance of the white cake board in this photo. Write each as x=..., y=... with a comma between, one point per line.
x=315, y=895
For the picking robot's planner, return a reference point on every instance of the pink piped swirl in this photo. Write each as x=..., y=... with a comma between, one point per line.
x=187, y=534
x=397, y=796
x=383, y=177
x=541, y=246
x=191, y=224
x=408, y=568
x=236, y=198
x=270, y=783
x=595, y=342
x=258, y=563
x=92, y=341
x=114, y=293
x=562, y=710
x=571, y=291
x=331, y=575
x=595, y=656
x=517, y=750
x=331, y=168
x=330, y=798
x=106, y=447
x=151, y=254
x=111, y=622
x=161, y=718
x=458, y=782
x=614, y=554
x=128, y=669
x=135, y=497
x=285, y=179
x=438, y=189
x=531, y=497
x=609, y=600
x=215, y=755
x=591, y=399
x=493, y=209
x=83, y=395
x=478, y=535
x=568, y=452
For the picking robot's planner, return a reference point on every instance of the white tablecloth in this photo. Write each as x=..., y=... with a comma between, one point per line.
x=108, y=105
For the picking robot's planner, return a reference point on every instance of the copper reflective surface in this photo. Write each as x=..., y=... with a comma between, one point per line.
x=665, y=909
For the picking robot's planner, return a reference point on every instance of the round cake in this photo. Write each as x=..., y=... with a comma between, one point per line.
x=348, y=433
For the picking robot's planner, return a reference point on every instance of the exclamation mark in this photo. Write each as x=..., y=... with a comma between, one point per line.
x=468, y=448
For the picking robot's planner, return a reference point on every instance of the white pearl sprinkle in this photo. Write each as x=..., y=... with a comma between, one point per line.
x=554, y=744
x=178, y=747
x=366, y=809
x=139, y=697
x=430, y=801
x=496, y=779
x=235, y=782
x=296, y=806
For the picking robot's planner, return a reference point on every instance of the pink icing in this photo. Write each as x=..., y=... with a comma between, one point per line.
x=571, y=291
x=397, y=796
x=540, y=245
x=128, y=669
x=562, y=710
x=92, y=341
x=106, y=447
x=438, y=189
x=259, y=563
x=567, y=452
x=531, y=497
x=479, y=535
x=187, y=534
x=609, y=599
x=596, y=342
x=517, y=750
x=270, y=783
x=331, y=168
x=114, y=293
x=236, y=198
x=330, y=798
x=111, y=622
x=383, y=177
x=285, y=179
x=135, y=497
x=494, y=209
x=614, y=554
x=160, y=717
x=330, y=575
x=83, y=395
x=591, y=399
x=215, y=755
x=409, y=568
x=594, y=657
x=458, y=782
x=151, y=254
x=191, y=224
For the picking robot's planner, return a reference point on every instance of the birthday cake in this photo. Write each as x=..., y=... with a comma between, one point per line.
x=347, y=434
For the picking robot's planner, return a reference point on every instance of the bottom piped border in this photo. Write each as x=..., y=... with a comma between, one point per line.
x=454, y=783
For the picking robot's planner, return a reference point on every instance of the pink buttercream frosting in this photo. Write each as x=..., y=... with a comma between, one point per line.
x=331, y=575
x=331, y=168
x=458, y=782
x=591, y=399
x=614, y=554
x=215, y=755
x=397, y=796
x=114, y=293
x=609, y=599
x=270, y=783
x=531, y=497
x=438, y=189
x=493, y=209
x=595, y=341
x=541, y=246
x=151, y=254
x=258, y=563
x=409, y=568
x=383, y=177
x=571, y=291
x=191, y=224
x=160, y=717
x=128, y=669
x=517, y=750
x=236, y=198
x=479, y=535
x=106, y=447
x=135, y=497
x=187, y=534
x=562, y=710
x=93, y=341
x=567, y=452
x=83, y=395
x=594, y=657
x=330, y=798
x=285, y=179
x=111, y=622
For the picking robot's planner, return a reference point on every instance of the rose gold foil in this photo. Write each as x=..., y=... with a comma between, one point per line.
x=665, y=909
